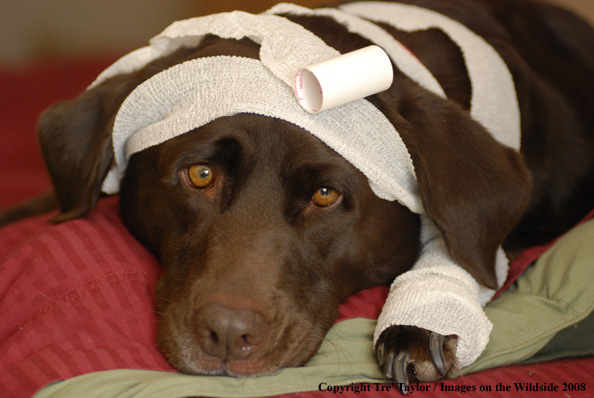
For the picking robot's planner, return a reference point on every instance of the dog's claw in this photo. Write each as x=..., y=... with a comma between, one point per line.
x=436, y=341
x=400, y=370
x=380, y=354
x=388, y=370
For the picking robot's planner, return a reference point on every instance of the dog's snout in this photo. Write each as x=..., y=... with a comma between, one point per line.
x=230, y=333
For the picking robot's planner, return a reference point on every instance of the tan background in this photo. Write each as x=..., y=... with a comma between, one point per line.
x=39, y=29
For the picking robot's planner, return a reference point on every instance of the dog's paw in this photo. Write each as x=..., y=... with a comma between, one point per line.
x=408, y=354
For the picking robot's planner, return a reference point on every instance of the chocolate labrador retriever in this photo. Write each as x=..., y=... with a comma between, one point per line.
x=263, y=229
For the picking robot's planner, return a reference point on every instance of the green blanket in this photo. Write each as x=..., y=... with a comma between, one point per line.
x=540, y=318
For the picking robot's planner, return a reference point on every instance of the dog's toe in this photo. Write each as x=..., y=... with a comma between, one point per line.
x=408, y=354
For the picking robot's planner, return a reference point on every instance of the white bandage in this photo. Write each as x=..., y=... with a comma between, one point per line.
x=437, y=294
x=177, y=100
x=494, y=102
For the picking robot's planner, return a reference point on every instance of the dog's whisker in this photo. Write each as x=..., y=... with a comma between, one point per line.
x=141, y=326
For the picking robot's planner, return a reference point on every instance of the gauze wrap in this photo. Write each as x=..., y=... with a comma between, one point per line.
x=436, y=294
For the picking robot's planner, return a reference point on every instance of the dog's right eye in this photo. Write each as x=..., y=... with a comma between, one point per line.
x=200, y=176
x=325, y=197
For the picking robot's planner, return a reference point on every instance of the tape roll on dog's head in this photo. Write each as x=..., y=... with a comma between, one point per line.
x=343, y=79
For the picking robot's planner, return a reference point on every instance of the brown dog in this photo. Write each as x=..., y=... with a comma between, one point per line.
x=263, y=230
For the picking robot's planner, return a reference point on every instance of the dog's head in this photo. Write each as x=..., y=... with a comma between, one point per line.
x=263, y=229
x=261, y=225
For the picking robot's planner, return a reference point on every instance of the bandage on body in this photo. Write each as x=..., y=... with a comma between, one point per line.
x=343, y=79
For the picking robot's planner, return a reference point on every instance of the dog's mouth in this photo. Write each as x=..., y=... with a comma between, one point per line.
x=261, y=361
x=218, y=340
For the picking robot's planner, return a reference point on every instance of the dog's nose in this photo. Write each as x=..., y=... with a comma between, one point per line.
x=228, y=333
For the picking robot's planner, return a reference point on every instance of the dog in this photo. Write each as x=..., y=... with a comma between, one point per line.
x=263, y=229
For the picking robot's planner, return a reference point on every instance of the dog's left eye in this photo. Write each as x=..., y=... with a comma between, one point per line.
x=201, y=176
x=325, y=197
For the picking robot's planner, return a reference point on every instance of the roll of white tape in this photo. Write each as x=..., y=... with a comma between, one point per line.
x=343, y=79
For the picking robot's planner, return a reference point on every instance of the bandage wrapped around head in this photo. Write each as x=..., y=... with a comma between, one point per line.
x=191, y=94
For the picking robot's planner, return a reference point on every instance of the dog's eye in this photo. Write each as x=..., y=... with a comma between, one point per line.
x=200, y=176
x=325, y=197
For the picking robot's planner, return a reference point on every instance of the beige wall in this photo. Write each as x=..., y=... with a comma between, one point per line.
x=33, y=29
x=210, y=7
x=37, y=28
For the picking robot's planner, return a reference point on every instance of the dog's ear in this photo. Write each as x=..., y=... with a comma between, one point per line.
x=75, y=139
x=472, y=187
x=75, y=136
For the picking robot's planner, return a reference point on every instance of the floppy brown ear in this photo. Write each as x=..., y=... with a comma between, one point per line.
x=473, y=188
x=75, y=139
x=75, y=136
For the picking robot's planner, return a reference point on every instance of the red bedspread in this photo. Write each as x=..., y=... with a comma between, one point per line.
x=78, y=297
